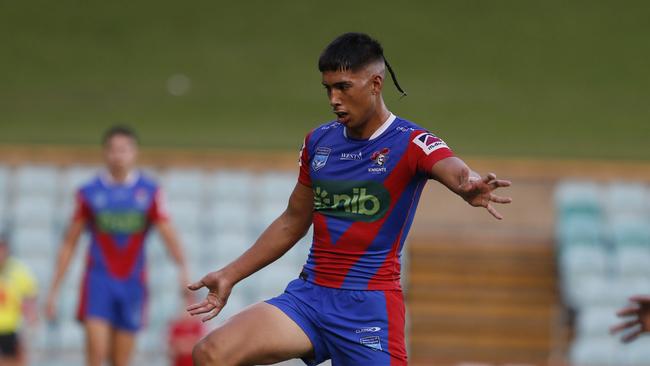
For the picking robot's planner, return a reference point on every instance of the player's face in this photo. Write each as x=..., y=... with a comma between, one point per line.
x=120, y=153
x=351, y=96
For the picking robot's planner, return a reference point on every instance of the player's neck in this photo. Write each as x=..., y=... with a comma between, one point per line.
x=120, y=176
x=367, y=129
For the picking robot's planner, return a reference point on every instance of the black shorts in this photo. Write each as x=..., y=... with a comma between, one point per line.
x=8, y=345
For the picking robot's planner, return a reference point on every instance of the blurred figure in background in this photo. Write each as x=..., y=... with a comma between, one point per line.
x=17, y=298
x=184, y=332
x=638, y=323
x=119, y=206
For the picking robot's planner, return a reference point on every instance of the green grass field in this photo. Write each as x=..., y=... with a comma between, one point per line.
x=494, y=78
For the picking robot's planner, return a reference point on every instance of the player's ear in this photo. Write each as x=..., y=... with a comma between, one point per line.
x=376, y=84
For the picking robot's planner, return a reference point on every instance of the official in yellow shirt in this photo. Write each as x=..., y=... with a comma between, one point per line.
x=17, y=296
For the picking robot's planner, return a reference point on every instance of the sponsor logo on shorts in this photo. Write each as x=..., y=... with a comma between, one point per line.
x=371, y=342
x=429, y=142
x=367, y=330
x=357, y=200
x=320, y=159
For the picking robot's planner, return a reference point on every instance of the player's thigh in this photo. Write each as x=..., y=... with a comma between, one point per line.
x=260, y=334
x=98, y=337
x=123, y=344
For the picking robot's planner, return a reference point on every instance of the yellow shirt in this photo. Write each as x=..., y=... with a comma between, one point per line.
x=16, y=284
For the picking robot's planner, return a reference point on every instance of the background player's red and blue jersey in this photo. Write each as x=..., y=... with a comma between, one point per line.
x=118, y=217
x=365, y=196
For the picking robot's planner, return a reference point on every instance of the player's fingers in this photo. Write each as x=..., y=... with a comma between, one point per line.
x=196, y=285
x=500, y=183
x=629, y=337
x=494, y=212
x=499, y=199
x=489, y=177
x=640, y=298
x=212, y=314
x=624, y=325
x=200, y=307
x=627, y=311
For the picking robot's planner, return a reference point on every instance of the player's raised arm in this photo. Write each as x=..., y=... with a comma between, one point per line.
x=276, y=240
x=476, y=190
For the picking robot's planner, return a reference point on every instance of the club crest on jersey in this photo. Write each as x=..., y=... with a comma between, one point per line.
x=429, y=142
x=379, y=161
x=320, y=159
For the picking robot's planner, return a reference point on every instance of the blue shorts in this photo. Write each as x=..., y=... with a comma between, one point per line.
x=120, y=303
x=349, y=327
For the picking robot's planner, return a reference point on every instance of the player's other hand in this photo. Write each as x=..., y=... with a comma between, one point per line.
x=478, y=192
x=219, y=288
x=637, y=316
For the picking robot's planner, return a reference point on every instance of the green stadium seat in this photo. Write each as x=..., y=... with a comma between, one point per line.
x=596, y=351
x=187, y=184
x=627, y=198
x=230, y=186
x=36, y=180
x=580, y=198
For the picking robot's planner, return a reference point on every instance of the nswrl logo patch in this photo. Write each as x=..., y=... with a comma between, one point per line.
x=320, y=158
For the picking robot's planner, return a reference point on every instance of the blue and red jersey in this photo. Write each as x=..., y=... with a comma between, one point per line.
x=118, y=217
x=365, y=196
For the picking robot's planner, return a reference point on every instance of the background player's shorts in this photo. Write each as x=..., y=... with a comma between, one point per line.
x=350, y=327
x=120, y=303
x=9, y=345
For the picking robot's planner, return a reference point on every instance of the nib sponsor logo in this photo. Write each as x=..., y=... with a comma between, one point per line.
x=359, y=200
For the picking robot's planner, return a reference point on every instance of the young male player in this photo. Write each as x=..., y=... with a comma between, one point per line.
x=119, y=206
x=360, y=180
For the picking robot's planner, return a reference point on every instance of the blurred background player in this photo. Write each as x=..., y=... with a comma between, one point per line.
x=360, y=181
x=119, y=206
x=17, y=298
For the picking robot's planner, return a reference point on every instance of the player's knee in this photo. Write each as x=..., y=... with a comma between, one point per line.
x=210, y=353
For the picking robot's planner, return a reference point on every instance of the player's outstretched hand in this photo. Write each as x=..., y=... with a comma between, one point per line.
x=219, y=289
x=479, y=192
x=638, y=318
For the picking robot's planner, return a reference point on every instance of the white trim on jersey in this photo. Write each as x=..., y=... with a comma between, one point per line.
x=380, y=130
x=108, y=180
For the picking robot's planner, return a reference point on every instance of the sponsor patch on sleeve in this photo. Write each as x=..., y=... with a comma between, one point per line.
x=429, y=142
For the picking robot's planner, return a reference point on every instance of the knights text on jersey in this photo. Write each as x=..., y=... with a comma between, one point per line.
x=365, y=196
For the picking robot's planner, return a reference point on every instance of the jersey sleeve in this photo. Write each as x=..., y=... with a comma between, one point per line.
x=303, y=162
x=82, y=209
x=425, y=150
x=158, y=210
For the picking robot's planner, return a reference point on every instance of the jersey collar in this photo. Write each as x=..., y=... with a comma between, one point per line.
x=108, y=180
x=380, y=130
